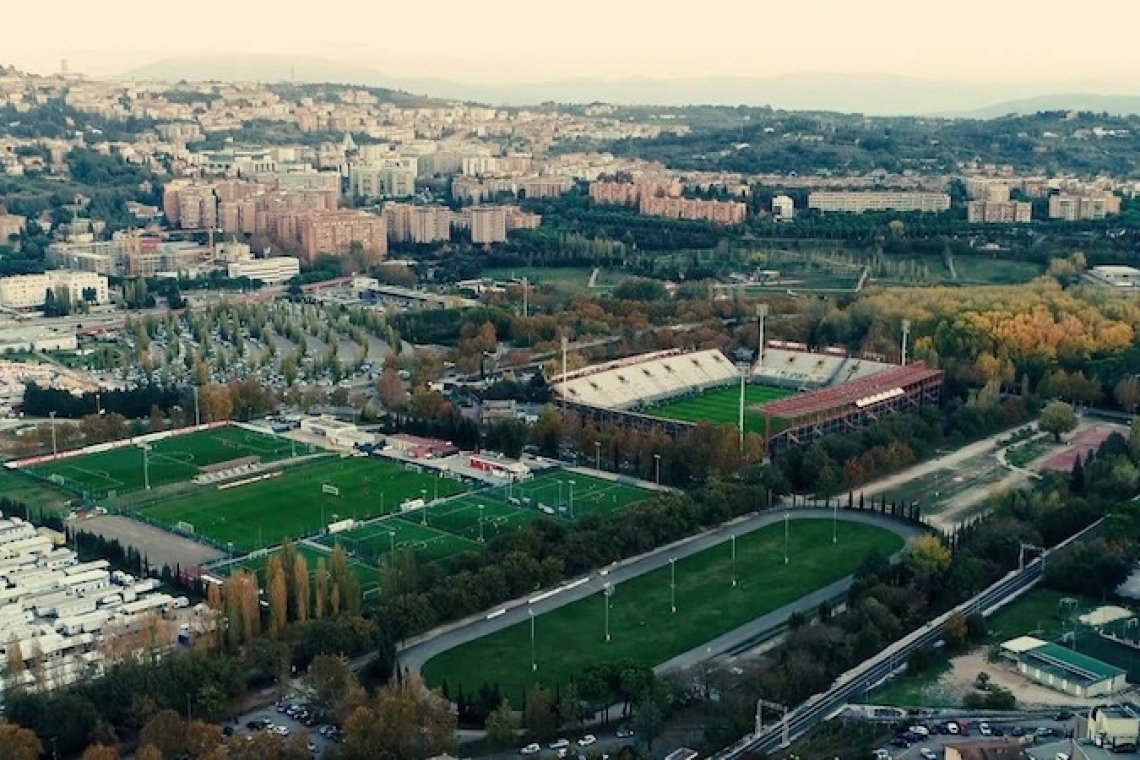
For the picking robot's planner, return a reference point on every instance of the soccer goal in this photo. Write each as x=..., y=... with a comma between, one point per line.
x=330, y=489
x=184, y=527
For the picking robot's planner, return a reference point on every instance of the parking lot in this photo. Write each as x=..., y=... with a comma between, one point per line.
x=285, y=725
x=1039, y=736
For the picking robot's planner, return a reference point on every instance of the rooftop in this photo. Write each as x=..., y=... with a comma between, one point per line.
x=862, y=392
x=1070, y=664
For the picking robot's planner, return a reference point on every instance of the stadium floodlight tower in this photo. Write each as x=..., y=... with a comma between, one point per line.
x=146, y=464
x=743, y=367
x=761, y=315
x=565, y=345
x=905, y=339
x=607, y=594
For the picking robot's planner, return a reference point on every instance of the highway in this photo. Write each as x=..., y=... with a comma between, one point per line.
x=414, y=653
x=860, y=679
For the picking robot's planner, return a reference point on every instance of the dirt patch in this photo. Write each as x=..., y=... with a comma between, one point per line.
x=958, y=682
x=159, y=547
x=1087, y=440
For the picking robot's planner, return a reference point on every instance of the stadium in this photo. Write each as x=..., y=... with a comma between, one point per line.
x=791, y=394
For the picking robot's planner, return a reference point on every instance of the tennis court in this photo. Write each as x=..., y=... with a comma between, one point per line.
x=174, y=459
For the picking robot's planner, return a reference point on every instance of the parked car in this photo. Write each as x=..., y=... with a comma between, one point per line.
x=530, y=749
x=587, y=740
x=984, y=729
x=928, y=754
x=1063, y=716
x=560, y=744
x=625, y=733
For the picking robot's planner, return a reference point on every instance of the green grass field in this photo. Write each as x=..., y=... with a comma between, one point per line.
x=172, y=460
x=571, y=279
x=643, y=628
x=721, y=406
x=36, y=494
x=444, y=530
x=1020, y=455
x=368, y=576
x=293, y=505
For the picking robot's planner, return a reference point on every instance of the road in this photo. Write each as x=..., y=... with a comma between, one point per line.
x=421, y=649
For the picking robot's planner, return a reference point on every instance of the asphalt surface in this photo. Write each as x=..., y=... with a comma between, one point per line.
x=418, y=651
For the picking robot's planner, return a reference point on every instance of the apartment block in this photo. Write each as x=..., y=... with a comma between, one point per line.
x=488, y=224
x=629, y=193
x=999, y=212
x=334, y=232
x=546, y=186
x=719, y=212
x=783, y=207
x=857, y=202
x=29, y=291
x=1073, y=208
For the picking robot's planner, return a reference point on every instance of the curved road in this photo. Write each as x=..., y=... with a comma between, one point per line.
x=414, y=653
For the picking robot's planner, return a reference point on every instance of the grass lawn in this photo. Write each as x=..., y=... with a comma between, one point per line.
x=374, y=543
x=983, y=270
x=917, y=691
x=172, y=460
x=1037, y=613
x=1024, y=453
x=574, y=279
x=722, y=406
x=642, y=627
x=368, y=576
x=293, y=505
x=35, y=493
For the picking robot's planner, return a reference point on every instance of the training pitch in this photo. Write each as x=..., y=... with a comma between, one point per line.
x=456, y=525
x=295, y=504
x=642, y=626
x=171, y=460
x=721, y=406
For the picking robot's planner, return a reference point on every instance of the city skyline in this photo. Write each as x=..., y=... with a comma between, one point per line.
x=505, y=41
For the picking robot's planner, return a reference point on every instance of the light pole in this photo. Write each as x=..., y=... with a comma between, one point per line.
x=480, y=523
x=787, y=519
x=146, y=465
x=392, y=542
x=423, y=506
x=54, y=448
x=197, y=409
x=533, y=659
x=230, y=548
x=571, y=482
x=657, y=469
x=835, y=522
x=560, y=502
x=607, y=592
x=732, y=536
x=598, y=455
x=673, y=584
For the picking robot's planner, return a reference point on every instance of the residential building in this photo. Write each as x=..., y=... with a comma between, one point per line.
x=29, y=291
x=334, y=232
x=430, y=224
x=488, y=224
x=550, y=186
x=272, y=271
x=783, y=207
x=629, y=193
x=720, y=212
x=856, y=202
x=1073, y=208
x=999, y=212
x=11, y=224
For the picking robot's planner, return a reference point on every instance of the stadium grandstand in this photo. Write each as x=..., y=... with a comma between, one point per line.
x=785, y=364
x=646, y=379
x=799, y=420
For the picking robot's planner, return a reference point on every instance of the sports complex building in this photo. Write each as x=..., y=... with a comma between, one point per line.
x=792, y=395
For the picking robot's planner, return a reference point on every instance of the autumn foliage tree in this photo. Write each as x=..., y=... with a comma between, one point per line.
x=18, y=743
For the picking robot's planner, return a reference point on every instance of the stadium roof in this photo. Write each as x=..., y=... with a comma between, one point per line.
x=865, y=391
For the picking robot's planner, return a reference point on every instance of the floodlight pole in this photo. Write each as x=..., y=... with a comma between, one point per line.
x=480, y=523
x=787, y=520
x=733, y=537
x=533, y=658
x=54, y=448
x=673, y=584
x=392, y=542
x=598, y=456
x=607, y=592
x=571, y=499
x=835, y=522
x=423, y=507
x=197, y=410
x=146, y=465
x=740, y=422
x=657, y=469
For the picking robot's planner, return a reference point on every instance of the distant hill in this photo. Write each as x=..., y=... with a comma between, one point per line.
x=872, y=94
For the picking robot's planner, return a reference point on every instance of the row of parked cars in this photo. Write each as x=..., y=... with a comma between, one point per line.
x=919, y=733
x=561, y=747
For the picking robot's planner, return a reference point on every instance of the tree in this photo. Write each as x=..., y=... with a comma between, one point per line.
x=166, y=732
x=215, y=402
x=956, y=631
x=278, y=597
x=982, y=682
x=926, y=558
x=18, y=743
x=331, y=682
x=1127, y=394
x=301, y=588
x=100, y=752
x=647, y=722
x=502, y=725
x=1057, y=418
x=540, y=714
x=391, y=390
x=148, y=752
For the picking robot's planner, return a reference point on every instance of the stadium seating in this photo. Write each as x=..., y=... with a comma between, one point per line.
x=804, y=370
x=647, y=379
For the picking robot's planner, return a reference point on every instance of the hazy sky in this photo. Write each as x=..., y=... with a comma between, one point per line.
x=529, y=40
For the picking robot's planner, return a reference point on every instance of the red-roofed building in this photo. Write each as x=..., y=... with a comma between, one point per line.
x=799, y=420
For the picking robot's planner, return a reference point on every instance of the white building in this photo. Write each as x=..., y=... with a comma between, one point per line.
x=270, y=271
x=783, y=207
x=858, y=201
x=29, y=291
x=1123, y=279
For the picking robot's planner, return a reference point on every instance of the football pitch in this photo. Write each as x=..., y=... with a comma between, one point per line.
x=643, y=627
x=295, y=504
x=368, y=576
x=465, y=523
x=721, y=406
x=171, y=460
